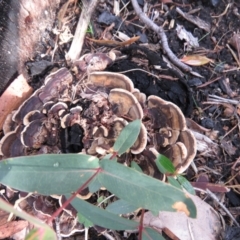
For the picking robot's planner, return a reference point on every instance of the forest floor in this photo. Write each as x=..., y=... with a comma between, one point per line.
x=205, y=37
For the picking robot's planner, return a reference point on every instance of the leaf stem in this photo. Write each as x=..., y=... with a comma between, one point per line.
x=140, y=227
x=65, y=204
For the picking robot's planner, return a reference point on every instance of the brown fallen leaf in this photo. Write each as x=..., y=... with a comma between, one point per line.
x=216, y=188
x=235, y=42
x=10, y=228
x=196, y=60
x=113, y=43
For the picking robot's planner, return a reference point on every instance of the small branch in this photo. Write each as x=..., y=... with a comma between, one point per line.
x=77, y=43
x=214, y=197
x=161, y=34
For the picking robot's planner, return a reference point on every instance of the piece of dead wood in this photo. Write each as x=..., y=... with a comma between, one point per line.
x=113, y=43
x=195, y=20
x=12, y=98
x=10, y=228
x=84, y=20
x=207, y=225
x=159, y=30
x=235, y=42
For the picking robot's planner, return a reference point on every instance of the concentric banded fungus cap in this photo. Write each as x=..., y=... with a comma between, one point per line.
x=72, y=117
x=33, y=103
x=31, y=116
x=173, y=113
x=10, y=144
x=109, y=80
x=173, y=139
x=34, y=135
x=141, y=97
x=125, y=103
x=188, y=139
x=141, y=142
x=9, y=125
x=56, y=85
x=96, y=61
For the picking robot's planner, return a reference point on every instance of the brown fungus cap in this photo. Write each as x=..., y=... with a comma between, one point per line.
x=72, y=117
x=125, y=103
x=174, y=116
x=10, y=144
x=109, y=80
x=9, y=125
x=58, y=107
x=188, y=139
x=33, y=115
x=57, y=85
x=34, y=135
x=141, y=142
x=141, y=97
x=32, y=103
x=173, y=139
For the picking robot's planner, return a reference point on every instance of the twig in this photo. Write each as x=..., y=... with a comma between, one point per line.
x=77, y=43
x=220, y=100
x=159, y=30
x=234, y=55
x=213, y=196
x=108, y=236
x=224, y=12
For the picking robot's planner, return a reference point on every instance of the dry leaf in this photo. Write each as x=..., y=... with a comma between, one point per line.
x=113, y=43
x=207, y=225
x=191, y=41
x=235, y=42
x=196, y=60
x=195, y=20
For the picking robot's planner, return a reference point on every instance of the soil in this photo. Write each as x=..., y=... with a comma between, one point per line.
x=191, y=93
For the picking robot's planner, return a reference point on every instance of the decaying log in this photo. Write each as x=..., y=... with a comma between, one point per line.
x=23, y=24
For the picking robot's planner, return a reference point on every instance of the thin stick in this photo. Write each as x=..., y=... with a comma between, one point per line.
x=83, y=22
x=159, y=30
x=213, y=196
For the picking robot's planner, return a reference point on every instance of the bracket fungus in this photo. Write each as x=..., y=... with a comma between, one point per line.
x=171, y=137
x=89, y=117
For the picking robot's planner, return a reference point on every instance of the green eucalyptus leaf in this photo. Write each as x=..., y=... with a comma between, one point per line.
x=94, y=185
x=48, y=173
x=174, y=182
x=127, y=137
x=101, y=217
x=151, y=234
x=135, y=166
x=186, y=184
x=143, y=191
x=164, y=164
x=121, y=207
x=84, y=221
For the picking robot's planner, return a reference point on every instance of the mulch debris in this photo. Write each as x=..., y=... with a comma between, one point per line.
x=210, y=97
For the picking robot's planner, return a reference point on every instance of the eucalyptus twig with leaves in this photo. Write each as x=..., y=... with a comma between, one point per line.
x=82, y=26
x=159, y=30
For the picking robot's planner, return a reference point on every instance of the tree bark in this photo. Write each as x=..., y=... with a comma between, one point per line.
x=23, y=24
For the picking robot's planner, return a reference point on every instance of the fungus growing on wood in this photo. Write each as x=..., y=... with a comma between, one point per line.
x=109, y=80
x=64, y=117
x=172, y=139
x=124, y=103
